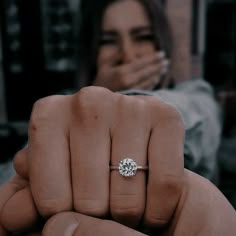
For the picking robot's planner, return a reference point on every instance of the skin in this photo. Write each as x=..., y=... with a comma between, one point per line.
x=52, y=180
x=127, y=57
x=202, y=210
x=57, y=178
x=171, y=196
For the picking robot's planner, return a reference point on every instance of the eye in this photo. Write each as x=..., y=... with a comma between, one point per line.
x=145, y=37
x=107, y=42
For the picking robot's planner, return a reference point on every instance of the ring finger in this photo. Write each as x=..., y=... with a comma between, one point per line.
x=130, y=135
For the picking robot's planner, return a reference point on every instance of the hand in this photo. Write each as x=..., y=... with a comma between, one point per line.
x=75, y=224
x=199, y=212
x=202, y=210
x=73, y=139
x=144, y=73
x=93, y=118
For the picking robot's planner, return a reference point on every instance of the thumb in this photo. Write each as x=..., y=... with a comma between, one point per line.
x=71, y=223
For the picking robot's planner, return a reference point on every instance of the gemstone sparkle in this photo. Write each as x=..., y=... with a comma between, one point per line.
x=128, y=167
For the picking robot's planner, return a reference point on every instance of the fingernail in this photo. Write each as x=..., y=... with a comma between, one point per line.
x=64, y=224
x=70, y=229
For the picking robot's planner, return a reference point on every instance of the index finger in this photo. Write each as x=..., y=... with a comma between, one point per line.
x=49, y=157
x=147, y=60
x=138, y=64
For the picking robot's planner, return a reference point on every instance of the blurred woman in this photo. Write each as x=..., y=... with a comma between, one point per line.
x=126, y=46
x=65, y=170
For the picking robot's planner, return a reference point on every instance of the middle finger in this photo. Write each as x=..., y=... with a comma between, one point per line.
x=90, y=151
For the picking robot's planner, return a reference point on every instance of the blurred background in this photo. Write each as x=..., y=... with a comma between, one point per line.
x=37, y=59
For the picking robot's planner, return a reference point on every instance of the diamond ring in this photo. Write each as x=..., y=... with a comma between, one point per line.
x=128, y=167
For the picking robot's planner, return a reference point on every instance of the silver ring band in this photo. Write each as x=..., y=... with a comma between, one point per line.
x=138, y=167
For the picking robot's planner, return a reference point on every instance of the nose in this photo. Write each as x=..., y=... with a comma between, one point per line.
x=128, y=51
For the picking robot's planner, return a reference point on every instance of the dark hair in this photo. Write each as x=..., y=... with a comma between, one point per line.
x=91, y=16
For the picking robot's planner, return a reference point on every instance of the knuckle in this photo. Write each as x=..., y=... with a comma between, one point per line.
x=171, y=187
x=44, y=110
x=47, y=103
x=50, y=207
x=169, y=112
x=91, y=207
x=175, y=120
x=172, y=184
x=136, y=104
x=135, y=109
x=90, y=99
x=165, y=113
x=126, y=206
x=154, y=220
x=90, y=92
x=140, y=110
x=172, y=112
x=131, y=212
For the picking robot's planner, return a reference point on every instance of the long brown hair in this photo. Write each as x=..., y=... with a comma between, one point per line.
x=90, y=23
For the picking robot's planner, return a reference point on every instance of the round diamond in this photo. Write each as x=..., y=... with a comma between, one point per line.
x=127, y=167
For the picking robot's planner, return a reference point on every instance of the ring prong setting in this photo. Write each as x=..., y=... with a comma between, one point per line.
x=128, y=167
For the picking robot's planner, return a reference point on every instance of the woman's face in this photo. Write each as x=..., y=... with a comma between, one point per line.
x=126, y=33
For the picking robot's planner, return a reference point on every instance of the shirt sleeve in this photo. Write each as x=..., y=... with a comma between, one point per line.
x=202, y=118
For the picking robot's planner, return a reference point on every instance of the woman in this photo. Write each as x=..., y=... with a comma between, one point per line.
x=131, y=51
x=83, y=133
x=105, y=41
